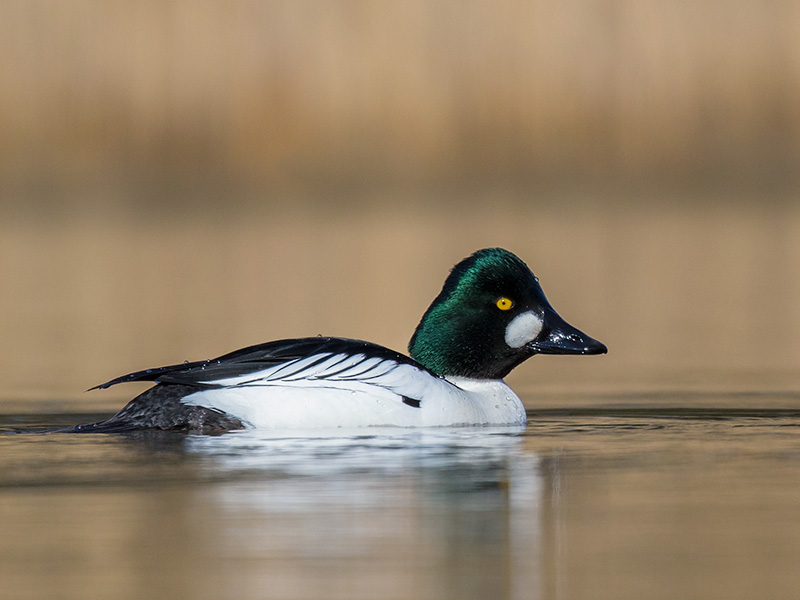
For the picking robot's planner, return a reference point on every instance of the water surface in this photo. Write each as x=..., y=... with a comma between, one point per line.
x=627, y=501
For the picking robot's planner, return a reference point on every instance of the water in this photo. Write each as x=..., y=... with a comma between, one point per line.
x=604, y=498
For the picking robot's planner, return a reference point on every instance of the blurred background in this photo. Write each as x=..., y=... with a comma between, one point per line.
x=179, y=179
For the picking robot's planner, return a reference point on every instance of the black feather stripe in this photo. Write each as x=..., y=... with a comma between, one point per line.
x=292, y=368
x=329, y=375
x=304, y=371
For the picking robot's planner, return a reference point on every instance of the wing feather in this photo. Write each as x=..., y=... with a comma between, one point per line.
x=339, y=359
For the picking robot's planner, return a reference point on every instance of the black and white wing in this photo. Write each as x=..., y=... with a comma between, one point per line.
x=303, y=381
x=315, y=358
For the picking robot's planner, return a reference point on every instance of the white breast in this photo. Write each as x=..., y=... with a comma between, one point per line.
x=478, y=402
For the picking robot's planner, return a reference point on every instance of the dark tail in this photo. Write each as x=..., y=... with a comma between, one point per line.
x=160, y=407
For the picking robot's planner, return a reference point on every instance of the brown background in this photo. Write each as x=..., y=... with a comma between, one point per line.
x=178, y=179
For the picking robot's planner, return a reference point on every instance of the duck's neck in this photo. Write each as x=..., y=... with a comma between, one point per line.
x=450, y=352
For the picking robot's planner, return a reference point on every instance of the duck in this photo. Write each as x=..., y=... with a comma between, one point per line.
x=490, y=316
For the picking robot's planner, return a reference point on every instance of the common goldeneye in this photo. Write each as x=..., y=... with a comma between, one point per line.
x=490, y=316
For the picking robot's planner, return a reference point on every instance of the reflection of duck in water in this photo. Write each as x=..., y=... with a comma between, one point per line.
x=490, y=316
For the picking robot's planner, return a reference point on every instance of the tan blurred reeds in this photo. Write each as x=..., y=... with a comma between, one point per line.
x=358, y=149
x=173, y=95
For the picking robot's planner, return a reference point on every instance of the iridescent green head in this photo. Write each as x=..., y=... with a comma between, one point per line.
x=490, y=316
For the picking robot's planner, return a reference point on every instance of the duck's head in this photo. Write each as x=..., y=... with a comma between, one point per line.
x=489, y=317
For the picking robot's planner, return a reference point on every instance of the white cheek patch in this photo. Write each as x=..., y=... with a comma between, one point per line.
x=523, y=329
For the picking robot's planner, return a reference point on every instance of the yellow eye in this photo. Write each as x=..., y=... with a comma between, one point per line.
x=504, y=303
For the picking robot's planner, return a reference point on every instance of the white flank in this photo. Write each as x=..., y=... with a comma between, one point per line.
x=523, y=329
x=355, y=391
